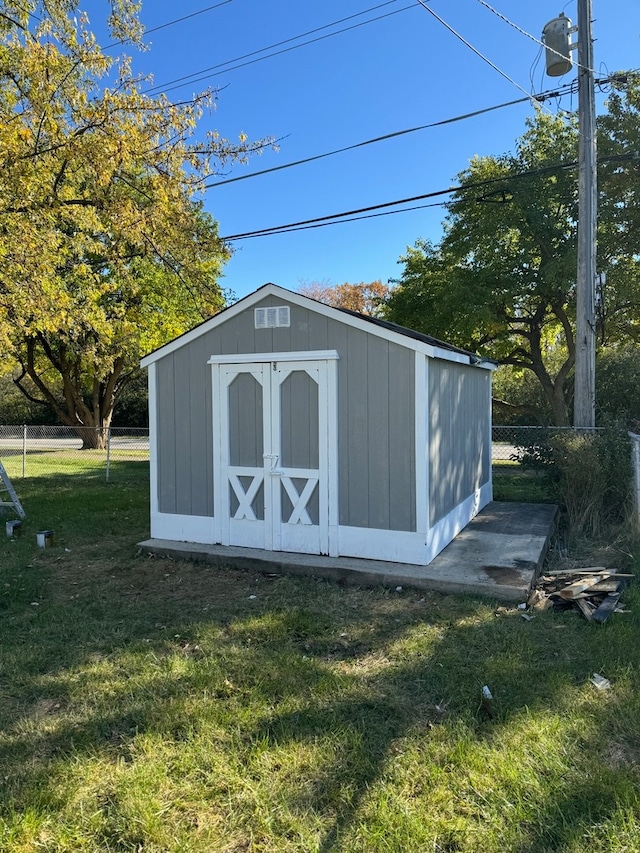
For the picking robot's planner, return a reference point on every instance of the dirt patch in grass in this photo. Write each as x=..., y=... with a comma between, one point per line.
x=623, y=755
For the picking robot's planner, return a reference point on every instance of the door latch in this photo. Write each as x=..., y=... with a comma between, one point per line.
x=274, y=471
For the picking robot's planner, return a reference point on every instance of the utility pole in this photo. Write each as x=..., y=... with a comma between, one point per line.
x=585, y=372
x=558, y=61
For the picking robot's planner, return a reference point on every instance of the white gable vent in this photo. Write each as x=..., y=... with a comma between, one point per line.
x=271, y=318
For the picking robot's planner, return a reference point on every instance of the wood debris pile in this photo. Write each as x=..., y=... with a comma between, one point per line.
x=594, y=591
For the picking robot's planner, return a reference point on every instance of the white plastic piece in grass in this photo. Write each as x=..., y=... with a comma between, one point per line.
x=600, y=681
x=487, y=701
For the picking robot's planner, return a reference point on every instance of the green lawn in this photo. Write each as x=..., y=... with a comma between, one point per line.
x=152, y=705
x=51, y=463
x=512, y=482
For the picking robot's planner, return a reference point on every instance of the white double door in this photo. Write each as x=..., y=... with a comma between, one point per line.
x=272, y=435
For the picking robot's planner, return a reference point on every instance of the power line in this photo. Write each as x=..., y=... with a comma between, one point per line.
x=336, y=218
x=539, y=97
x=340, y=221
x=152, y=29
x=187, y=17
x=474, y=49
x=214, y=70
x=527, y=34
x=475, y=185
x=27, y=12
x=171, y=23
x=567, y=88
x=203, y=74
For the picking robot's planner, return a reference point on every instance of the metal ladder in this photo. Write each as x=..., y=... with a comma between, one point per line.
x=7, y=488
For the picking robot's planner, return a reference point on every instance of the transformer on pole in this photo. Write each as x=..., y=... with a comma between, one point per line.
x=555, y=36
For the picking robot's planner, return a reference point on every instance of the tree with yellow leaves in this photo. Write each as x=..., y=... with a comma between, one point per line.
x=364, y=297
x=105, y=249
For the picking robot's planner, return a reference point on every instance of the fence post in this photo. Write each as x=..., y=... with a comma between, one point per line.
x=635, y=460
x=108, y=452
x=24, y=451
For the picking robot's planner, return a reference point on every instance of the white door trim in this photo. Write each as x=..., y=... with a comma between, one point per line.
x=263, y=367
x=261, y=357
x=224, y=473
x=297, y=533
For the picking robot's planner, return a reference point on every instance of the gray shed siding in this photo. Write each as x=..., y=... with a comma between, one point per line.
x=185, y=433
x=459, y=448
x=376, y=421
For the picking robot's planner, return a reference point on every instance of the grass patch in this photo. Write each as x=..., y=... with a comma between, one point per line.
x=156, y=705
x=511, y=482
x=77, y=463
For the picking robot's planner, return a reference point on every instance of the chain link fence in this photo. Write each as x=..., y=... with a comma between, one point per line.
x=122, y=453
x=509, y=442
x=635, y=456
x=119, y=453
x=512, y=480
x=520, y=461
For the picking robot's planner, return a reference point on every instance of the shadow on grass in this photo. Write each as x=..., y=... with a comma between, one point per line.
x=402, y=701
x=102, y=651
x=286, y=662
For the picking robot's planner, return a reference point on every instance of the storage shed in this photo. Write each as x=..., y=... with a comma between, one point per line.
x=284, y=424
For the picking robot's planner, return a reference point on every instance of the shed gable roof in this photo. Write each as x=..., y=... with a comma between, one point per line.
x=372, y=325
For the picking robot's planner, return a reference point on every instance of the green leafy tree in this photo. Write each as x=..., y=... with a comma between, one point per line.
x=518, y=398
x=619, y=214
x=502, y=279
x=618, y=385
x=105, y=249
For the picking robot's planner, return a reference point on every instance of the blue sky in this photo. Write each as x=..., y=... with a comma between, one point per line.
x=401, y=71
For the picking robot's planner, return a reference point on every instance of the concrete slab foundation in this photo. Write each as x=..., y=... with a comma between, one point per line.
x=499, y=554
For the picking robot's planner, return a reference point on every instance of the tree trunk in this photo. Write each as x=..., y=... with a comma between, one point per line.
x=90, y=419
x=553, y=388
x=559, y=406
x=96, y=422
x=93, y=438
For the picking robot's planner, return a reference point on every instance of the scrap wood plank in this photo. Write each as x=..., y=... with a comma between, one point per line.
x=557, y=585
x=586, y=608
x=575, y=588
x=587, y=571
x=545, y=581
x=602, y=613
x=535, y=596
x=539, y=600
x=577, y=575
x=606, y=585
x=556, y=575
x=588, y=593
